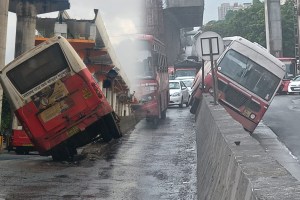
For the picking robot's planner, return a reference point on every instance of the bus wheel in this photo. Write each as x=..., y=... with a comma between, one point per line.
x=63, y=153
x=194, y=106
x=19, y=151
x=105, y=132
x=112, y=122
x=163, y=114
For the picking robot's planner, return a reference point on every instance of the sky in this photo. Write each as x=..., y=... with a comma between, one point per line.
x=211, y=8
x=121, y=19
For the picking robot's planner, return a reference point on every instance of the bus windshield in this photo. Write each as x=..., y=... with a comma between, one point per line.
x=144, y=61
x=185, y=72
x=248, y=74
x=38, y=69
x=290, y=70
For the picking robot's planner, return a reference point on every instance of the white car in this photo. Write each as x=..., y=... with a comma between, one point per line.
x=179, y=93
x=189, y=83
x=294, y=85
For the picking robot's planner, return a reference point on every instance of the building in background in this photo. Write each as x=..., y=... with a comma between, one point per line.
x=225, y=7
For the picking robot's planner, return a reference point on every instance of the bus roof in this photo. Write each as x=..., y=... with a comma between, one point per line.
x=263, y=52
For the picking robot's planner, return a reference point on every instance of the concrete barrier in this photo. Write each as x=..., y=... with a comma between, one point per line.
x=128, y=123
x=232, y=165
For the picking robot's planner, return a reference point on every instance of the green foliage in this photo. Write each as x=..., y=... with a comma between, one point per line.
x=6, y=117
x=250, y=24
x=288, y=32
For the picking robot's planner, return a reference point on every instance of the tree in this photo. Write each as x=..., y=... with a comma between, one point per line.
x=288, y=19
x=250, y=24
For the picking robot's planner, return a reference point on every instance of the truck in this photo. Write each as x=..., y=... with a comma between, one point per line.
x=188, y=67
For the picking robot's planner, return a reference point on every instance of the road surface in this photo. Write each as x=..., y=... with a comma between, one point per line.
x=146, y=164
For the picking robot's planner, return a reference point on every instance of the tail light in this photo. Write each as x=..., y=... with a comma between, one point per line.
x=97, y=90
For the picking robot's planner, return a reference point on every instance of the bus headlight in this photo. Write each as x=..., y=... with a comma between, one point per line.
x=252, y=116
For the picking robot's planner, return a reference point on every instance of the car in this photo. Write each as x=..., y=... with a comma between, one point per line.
x=184, y=77
x=294, y=85
x=188, y=81
x=179, y=93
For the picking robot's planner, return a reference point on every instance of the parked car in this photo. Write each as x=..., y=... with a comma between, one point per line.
x=179, y=93
x=294, y=85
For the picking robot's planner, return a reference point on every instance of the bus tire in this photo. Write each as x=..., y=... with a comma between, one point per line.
x=105, y=132
x=194, y=106
x=111, y=121
x=19, y=151
x=62, y=153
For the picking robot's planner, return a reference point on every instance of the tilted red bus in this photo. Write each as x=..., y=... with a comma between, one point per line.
x=152, y=79
x=56, y=99
x=248, y=78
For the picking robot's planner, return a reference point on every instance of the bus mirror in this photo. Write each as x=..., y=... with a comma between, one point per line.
x=107, y=83
x=112, y=74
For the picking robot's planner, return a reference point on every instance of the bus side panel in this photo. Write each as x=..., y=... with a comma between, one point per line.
x=83, y=105
x=20, y=139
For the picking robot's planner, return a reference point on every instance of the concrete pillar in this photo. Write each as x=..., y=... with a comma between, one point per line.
x=297, y=17
x=3, y=33
x=3, y=30
x=273, y=27
x=25, y=35
x=26, y=24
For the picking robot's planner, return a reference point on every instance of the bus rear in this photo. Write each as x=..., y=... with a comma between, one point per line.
x=57, y=100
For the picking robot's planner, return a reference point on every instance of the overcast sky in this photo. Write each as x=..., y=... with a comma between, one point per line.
x=120, y=19
x=211, y=8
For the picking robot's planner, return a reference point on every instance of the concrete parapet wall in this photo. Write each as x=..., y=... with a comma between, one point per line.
x=128, y=123
x=232, y=165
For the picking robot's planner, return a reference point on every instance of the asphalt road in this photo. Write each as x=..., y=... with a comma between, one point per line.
x=282, y=118
x=145, y=164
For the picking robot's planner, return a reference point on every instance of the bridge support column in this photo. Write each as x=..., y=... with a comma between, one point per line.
x=3, y=33
x=273, y=27
x=26, y=23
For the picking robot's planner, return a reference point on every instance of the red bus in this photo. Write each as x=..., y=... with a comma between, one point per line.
x=20, y=142
x=56, y=99
x=290, y=72
x=248, y=78
x=152, y=92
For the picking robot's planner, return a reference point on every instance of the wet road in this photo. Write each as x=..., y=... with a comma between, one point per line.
x=283, y=118
x=146, y=164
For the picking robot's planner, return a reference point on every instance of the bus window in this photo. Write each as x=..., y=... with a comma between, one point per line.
x=248, y=74
x=38, y=69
